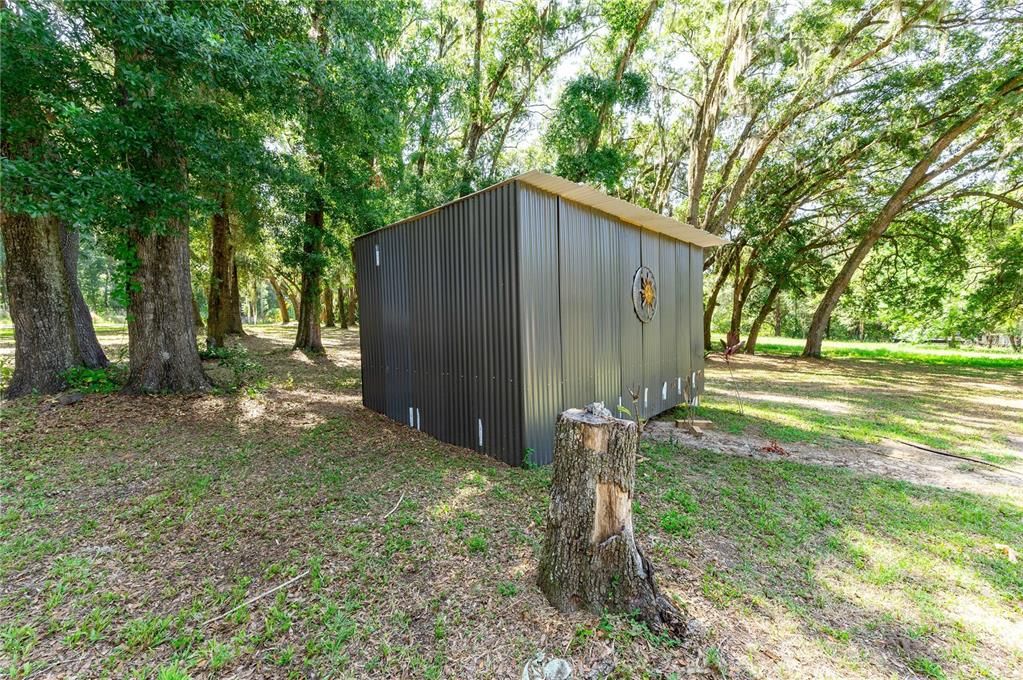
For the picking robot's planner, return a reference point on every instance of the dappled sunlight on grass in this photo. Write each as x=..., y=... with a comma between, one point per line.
x=795, y=400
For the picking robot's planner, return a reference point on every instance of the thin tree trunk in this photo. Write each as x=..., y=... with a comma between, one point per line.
x=754, y=329
x=197, y=316
x=742, y=291
x=712, y=299
x=45, y=344
x=342, y=309
x=353, y=306
x=777, y=319
x=328, y=308
x=85, y=333
x=308, y=336
x=234, y=326
x=282, y=303
x=218, y=321
x=161, y=334
x=590, y=558
x=919, y=175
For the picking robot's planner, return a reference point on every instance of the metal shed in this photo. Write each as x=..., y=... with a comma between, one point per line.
x=483, y=319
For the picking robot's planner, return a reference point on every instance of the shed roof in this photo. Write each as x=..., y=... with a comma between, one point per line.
x=598, y=200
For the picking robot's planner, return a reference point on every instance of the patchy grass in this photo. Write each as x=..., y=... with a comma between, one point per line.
x=967, y=409
x=128, y=524
x=933, y=354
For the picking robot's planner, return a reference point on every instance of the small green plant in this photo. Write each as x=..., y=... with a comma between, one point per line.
x=927, y=668
x=477, y=543
x=246, y=371
x=93, y=380
x=507, y=588
x=529, y=460
x=675, y=522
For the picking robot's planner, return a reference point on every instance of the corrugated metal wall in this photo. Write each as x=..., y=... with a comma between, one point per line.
x=440, y=325
x=576, y=272
x=483, y=320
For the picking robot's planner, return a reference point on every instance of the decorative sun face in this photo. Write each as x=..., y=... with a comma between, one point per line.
x=644, y=294
x=648, y=292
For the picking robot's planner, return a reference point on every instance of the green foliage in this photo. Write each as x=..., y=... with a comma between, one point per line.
x=95, y=380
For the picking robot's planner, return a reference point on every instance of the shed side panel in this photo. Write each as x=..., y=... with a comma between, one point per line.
x=606, y=290
x=696, y=298
x=684, y=321
x=630, y=329
x=540, y=315
x=367, y=283
x=669, y=291
x=577, y=277
x=650, y=398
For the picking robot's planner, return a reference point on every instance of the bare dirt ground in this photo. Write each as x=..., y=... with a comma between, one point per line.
x=889, y=458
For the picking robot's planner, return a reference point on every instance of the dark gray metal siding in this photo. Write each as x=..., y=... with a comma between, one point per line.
x=440, y=332
x=540, y=315
x=507, y=307
x=582, y=341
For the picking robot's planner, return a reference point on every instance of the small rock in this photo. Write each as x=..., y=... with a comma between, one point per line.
x=69, y=398
x=553, y=669
x=557, y=669
x=597, y=408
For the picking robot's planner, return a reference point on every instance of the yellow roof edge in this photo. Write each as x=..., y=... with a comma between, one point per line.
x=623, y=210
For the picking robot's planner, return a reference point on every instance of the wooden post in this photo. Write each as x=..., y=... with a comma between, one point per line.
x=590, y=559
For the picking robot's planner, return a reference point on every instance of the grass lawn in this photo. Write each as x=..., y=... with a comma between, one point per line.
x=128, y=524
x=968, y=402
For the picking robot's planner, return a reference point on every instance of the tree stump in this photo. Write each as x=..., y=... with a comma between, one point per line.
x=590, y=559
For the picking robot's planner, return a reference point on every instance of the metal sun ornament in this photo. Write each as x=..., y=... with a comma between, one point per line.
x=644, y=294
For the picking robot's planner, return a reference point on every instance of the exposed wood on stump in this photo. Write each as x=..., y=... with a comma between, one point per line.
x=590, y=559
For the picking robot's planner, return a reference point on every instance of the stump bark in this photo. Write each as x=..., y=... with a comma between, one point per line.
x=590, y=559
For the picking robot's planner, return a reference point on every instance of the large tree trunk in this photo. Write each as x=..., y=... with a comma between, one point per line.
x=85, y=333
x=218, y=317
x=308, y=336
x=590, y=559
x=161, y=335
x=234, y=325
x=754, y=330
x=282, y=303
x=45, y=346
x=328, y=308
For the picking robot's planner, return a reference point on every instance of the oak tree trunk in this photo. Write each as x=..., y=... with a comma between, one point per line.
x=308, y=336
x=197, y=316
x=234, y=326
x=328, y=307
x=754, y=330
x=161, y=333
x=85, y=333
x=218, y=321
x=590, y=559
x=342, y=310
x=45, y=346
x=353, y=307
x=712, y=299
x=282, y=303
